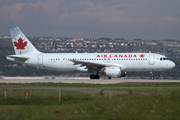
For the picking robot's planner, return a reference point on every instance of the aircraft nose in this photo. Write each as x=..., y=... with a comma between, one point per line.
x=172, y=64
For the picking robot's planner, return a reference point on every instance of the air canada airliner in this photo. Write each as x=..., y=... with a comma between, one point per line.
x=113, y=65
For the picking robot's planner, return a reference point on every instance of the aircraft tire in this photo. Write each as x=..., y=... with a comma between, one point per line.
x=97, y=77
x=94, y=76
x=152, y=77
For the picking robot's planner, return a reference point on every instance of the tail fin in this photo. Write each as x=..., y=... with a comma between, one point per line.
x=20, y=42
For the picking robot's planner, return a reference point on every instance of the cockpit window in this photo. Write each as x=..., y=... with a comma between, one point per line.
x=163, y=59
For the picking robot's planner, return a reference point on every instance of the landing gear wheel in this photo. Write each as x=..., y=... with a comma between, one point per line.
x=97, y=77
x=151, y=76
x=94, y=76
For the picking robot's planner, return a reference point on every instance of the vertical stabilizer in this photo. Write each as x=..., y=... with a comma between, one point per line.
x=20, y=42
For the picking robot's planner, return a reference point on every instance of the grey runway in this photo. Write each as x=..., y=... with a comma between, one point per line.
x=80, y=80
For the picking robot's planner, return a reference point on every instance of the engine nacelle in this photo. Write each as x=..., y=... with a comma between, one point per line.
x=82, y=69
x=113, y=72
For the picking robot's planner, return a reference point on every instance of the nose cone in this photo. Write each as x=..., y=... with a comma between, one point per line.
x=172, y=65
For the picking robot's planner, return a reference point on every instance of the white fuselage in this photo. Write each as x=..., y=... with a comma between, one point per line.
x=126, y=61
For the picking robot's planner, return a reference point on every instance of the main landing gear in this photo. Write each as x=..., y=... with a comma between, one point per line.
x=151, y=76
x=94, y=76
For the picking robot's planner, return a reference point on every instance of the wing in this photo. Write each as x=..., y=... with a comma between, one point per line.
x=91, y=65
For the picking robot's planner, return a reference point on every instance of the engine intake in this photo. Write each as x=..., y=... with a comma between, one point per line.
x=113, y=71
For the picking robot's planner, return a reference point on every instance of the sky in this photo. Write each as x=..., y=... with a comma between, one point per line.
x=129, y=19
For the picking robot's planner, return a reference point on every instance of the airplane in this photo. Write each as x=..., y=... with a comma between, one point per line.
x=113, y=65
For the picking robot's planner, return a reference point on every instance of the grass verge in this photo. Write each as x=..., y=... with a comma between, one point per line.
x=95, y=104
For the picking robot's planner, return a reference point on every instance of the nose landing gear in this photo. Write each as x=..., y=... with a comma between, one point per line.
x=151, y=76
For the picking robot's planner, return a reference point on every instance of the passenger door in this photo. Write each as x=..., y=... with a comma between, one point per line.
x=151, y=59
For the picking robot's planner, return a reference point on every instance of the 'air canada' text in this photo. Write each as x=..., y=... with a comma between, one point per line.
x=120, y=56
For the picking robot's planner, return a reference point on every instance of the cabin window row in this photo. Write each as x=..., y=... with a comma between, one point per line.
x=100, y=59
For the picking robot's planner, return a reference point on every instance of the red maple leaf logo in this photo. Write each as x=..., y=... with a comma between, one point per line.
x=141, y=56
x=20, y=44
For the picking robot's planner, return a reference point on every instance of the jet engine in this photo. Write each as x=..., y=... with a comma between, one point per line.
x=113, y=71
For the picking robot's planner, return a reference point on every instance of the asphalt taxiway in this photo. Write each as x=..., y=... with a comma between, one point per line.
x=80, y=80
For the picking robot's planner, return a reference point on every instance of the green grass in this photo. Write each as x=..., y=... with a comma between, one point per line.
x=137, y=106
x=147, y=102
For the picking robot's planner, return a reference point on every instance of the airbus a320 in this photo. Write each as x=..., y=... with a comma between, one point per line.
x=113, y=65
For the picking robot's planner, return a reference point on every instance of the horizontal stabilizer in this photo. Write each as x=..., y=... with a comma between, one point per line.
x=16, y=58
